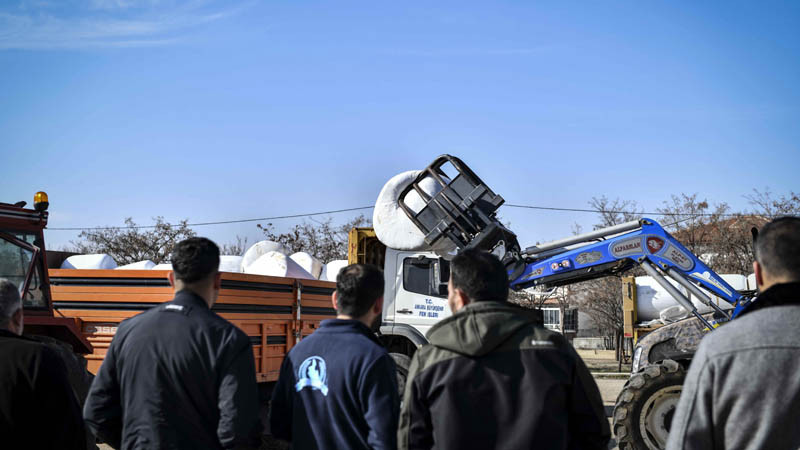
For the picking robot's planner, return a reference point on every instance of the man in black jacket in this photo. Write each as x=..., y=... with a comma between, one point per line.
x=178, y=376
x=337, y=388
x=492, y=377
x=38, y=408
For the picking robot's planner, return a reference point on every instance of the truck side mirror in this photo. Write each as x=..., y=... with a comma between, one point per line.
x=442, y=276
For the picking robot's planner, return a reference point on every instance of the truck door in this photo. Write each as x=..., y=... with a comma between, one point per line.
x=421, y=297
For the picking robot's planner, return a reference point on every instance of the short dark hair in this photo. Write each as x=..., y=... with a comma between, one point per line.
x=195, y=259
x=480, y=275
x=358, y=286
x=777, y=247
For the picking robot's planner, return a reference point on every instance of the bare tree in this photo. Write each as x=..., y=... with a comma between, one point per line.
x=769, y=207
x=601, y=298
x=613, y=212
x=694, y=222
x=234, y=248
x=719, y=237
x=129, y=244
x=324, y=240
x=532, y=298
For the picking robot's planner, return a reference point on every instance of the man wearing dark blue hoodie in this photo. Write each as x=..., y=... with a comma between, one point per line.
x=337, y=388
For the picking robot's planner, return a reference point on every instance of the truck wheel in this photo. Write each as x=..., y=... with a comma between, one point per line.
x=402, y=362
x=645, y=407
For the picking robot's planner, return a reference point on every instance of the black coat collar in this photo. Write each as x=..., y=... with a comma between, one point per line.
x=347, y=326
x=776, y=295
x=189, y=298
x=8, y=334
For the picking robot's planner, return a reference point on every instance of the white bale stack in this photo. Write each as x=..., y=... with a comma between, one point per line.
x=96, y=261
x=230, y=263
x=260, y=249
x=277, y=264
x=392, y=226
x=311, y=264
x=331, y=270
x=138, y=265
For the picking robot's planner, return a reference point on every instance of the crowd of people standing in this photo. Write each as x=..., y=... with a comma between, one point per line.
x=179, y=376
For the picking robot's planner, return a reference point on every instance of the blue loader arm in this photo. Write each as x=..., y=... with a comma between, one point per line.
x=649, y=246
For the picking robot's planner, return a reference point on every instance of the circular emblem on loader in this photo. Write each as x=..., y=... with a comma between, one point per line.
x=654, y=244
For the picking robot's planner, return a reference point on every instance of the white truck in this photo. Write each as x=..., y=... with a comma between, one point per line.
x=415, y=293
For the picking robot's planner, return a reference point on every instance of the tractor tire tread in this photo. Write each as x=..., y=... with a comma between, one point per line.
x=625, y=415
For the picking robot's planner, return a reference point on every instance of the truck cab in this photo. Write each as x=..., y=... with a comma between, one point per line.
x=23, y=262
x=415, y=290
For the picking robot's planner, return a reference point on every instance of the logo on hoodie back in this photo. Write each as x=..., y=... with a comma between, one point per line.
x=313, y=374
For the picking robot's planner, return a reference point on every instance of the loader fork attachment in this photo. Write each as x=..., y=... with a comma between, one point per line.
x=463, y=211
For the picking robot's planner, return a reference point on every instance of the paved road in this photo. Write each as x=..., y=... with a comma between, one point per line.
x=609, y=389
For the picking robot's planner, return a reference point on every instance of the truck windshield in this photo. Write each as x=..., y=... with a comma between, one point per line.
x=15, y=263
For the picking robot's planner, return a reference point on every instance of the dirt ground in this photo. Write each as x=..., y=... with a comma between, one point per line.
x=600, y=362
x=603, y=361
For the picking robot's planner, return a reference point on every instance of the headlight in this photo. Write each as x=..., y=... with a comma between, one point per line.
x=637, y=354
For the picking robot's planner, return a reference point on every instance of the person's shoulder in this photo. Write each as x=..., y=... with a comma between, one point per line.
x=37, y=353
x=540, y=338
x=137, y=320
x=229, y=332
x=764, y=327
x=20, y=348
x=52, y=359
x=430, y=354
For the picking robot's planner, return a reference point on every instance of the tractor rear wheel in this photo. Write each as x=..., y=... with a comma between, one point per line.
x=645, y=407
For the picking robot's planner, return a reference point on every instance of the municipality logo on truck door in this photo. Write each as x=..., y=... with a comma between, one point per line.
x=313, y=374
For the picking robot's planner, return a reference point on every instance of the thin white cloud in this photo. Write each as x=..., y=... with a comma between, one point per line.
x=122, y=23
x=437, y=53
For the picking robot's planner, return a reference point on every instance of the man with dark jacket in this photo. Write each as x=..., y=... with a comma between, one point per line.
x=38, y=408
x=492, y=377
x=743, y=385
x=337, y=388
x=178, y=376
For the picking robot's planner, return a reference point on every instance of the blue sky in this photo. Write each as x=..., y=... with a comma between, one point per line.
x=216, y=110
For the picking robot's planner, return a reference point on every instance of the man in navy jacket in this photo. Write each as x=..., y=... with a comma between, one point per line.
x=337, y=388
x=178, y=376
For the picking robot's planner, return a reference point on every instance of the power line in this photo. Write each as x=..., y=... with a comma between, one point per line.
x=223, y=222
x=643, y=213
x=360, y=208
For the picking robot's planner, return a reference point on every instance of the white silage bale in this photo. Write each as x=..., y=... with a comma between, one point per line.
x=330, y=270
x=392, y=226
x=277, y=264
x=162, y=266
x=96, y=261
x=311, y=264
x=230, y=263
x=260, y=249
x=652, y=299
x=138, y=265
